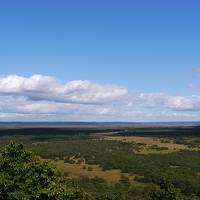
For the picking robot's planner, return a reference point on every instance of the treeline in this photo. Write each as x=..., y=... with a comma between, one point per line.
x=157, y=131
x=162, y=131
x=51, y=131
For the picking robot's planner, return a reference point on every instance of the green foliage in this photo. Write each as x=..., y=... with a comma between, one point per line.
x=182, y=167
x=123, y=190
x=167, y=191
x=24, y=177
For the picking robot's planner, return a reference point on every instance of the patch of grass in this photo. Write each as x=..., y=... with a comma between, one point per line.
x=84, y=170
x=151, y=144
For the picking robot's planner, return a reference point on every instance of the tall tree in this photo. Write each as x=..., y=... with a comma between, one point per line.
x=24, y=177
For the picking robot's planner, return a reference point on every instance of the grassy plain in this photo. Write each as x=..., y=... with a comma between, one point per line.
x=151, y=144
x=91, y=171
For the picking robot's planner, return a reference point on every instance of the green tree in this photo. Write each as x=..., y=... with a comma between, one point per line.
x=167, y=191
x=23, y=176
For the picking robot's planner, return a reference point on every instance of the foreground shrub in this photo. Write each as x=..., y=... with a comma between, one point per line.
x=24, y=177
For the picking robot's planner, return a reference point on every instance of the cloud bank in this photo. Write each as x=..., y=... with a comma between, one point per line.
x=44, y=98
x=40, y=87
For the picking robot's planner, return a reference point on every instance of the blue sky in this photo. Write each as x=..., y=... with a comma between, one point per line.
x=144, y=46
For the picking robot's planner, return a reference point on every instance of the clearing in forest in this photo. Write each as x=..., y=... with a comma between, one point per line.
x=91, y=171
x=151, y=144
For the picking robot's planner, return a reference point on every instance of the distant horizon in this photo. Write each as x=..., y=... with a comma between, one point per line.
x=98, y=122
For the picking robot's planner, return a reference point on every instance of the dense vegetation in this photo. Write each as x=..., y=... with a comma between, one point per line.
x=181, y=167
x=170, y=131
x=24, y=177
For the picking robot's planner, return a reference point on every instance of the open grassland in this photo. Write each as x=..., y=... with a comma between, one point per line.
x=91, y=171
x=151, y=144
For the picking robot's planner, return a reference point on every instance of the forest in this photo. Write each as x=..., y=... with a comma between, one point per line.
x=141, y=163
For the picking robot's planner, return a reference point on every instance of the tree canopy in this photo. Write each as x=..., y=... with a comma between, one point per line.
x=24, y=176
x=166, y=191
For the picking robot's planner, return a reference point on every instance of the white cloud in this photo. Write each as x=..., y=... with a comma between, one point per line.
x=153, y=100
x=44, y=98
x=40, y=87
